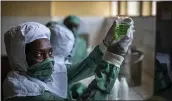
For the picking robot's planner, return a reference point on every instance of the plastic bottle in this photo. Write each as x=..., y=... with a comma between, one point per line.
x=114, y=93
x=122, y=26
x=124, y=89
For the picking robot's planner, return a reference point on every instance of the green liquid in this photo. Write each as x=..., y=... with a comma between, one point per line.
x=121, y=31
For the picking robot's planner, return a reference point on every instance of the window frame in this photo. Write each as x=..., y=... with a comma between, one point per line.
x=140, y=9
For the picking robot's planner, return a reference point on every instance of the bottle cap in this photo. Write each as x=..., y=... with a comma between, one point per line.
x=128, y=20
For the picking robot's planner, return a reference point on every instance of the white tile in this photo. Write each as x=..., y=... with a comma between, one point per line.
x=133, y=95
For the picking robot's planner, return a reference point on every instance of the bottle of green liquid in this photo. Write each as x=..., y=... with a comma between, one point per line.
x=122, y=28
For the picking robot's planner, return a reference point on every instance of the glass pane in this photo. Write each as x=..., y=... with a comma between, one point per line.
x=154, y=8
x=133, y=8
x=123, y=8
x=146, y=8
x=114, y=8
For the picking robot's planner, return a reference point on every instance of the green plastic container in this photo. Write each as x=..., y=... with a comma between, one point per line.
x=121, y=30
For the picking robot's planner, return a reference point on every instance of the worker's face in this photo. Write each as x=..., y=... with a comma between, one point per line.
x=38, y=51
x=73, y=27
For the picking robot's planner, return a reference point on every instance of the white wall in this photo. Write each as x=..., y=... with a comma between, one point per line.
x=145, y=41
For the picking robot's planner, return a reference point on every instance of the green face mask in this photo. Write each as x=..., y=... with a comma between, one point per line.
x=43, y=70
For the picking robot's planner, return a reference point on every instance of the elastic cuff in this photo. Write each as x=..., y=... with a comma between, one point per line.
x=113, y=58
x=102, y=47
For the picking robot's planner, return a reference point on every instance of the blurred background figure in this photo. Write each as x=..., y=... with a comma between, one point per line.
x=80, y=47
x=79, y=51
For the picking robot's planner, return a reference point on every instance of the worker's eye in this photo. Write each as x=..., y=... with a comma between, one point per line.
x=39, y=55
x=51, y=53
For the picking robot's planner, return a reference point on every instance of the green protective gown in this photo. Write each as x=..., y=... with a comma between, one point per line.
x=105, y=76
x=79, y=52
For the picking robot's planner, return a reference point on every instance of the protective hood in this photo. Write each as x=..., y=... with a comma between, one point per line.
x=18, y=83
x=16, y=38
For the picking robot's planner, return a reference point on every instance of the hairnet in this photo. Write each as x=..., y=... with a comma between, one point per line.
x=16, y=38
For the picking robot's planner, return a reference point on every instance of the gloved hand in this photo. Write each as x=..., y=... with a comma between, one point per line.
x=110, y=35
x=120, y=47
